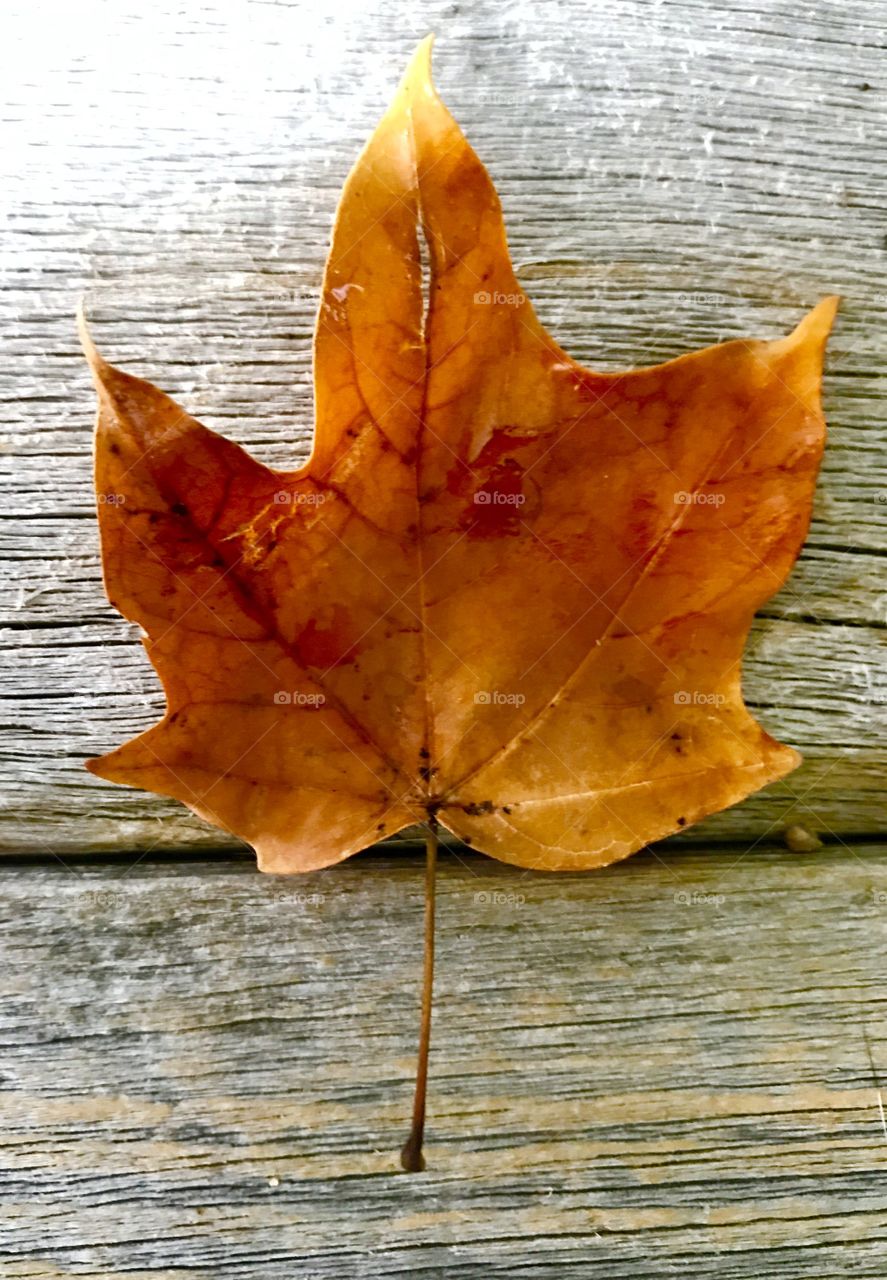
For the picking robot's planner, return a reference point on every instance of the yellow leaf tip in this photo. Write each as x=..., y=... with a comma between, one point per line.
x=827, y=308
x=418, y=73
x=424, y=50
x=96, y=362
x=818, y=321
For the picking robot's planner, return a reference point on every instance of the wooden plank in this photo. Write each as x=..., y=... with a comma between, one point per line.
x=658, y=1069
x=672, y=175
x=828, y=697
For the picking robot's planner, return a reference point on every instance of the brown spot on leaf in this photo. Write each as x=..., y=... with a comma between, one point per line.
x=328, y=646
x=478, y=807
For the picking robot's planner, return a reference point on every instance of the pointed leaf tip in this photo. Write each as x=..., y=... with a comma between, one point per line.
x=418, y=73
x=813, y=329
x=822, y=317
x=97, y=363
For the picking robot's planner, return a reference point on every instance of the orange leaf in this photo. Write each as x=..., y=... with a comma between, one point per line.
x=505, y=591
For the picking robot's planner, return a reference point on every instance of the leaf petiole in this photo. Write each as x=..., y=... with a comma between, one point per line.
x=411, y=1157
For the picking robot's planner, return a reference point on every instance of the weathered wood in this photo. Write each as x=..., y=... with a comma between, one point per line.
x=657, y=1070
x=672, y=174
x=669, y=1068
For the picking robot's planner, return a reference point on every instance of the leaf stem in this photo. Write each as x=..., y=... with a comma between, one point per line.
x=411, y=1157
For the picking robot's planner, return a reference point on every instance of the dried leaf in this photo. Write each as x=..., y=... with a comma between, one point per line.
x=505, y=591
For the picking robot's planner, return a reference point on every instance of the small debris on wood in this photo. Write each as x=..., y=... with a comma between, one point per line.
x=800, y=840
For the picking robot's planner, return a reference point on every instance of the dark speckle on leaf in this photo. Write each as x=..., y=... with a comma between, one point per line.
x=478, y=807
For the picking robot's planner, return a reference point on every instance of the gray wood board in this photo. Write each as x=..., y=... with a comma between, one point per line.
x=673, y=174
x=660, y=1069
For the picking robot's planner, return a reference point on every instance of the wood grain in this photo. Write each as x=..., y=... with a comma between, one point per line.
x=660, y=1069
x=669, y=1068
x=672, y=174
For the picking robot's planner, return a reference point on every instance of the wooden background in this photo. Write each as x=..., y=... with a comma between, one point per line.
x=627, y=1080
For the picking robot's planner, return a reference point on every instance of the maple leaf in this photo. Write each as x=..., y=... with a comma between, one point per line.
x=506, y=593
